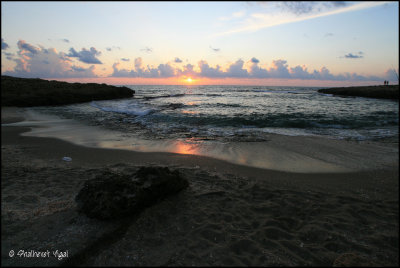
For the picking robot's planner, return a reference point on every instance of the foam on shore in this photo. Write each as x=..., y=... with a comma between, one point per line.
x=283, y=153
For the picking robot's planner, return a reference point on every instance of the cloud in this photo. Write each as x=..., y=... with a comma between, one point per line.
x=26, y=48
x=122, y=72
x=236, y=70
x=177, y=60
x=297, y=7
x=124, y=59
x=65, y=40
x=166, y=70
x=9, y=56
x=188, y=70
x=147, y=49
x=300, y=7
x=112, y=48
x=254, y=60
x=352, y=56
x=392, y=74
x=293, y=12
x=162, y=71
x=207, y=71
x=215, y=49
x=86, y=56
x=278, y=69
x=4, y=45
x=328, y=34
x=40, y=62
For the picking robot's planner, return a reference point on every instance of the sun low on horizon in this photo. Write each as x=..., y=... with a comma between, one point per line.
x=279, y=43
x=188, y=80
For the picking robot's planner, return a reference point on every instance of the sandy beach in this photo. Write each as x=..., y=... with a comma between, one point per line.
x=230, y=214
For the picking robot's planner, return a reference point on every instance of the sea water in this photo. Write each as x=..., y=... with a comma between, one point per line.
x=247, y=125
x=237, y=113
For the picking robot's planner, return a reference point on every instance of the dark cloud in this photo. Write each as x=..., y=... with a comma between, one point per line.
x=4, y=45
x=86, y=56
x=328, y=34
x=147, y=49
x=215, y=49
x=25, y=47
x=124, y=59
x=351, y=56
x=65, y=40
x=254, y=60
x=177, y=60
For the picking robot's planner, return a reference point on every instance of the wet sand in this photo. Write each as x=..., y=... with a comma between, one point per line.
x=230, y=215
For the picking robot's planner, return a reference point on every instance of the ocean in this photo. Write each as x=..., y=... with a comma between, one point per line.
x=292, y=129
x=237, y=113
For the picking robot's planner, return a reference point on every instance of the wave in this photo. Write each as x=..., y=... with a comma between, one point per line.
x=122, y=107
x=298, y=120
x=164, y=96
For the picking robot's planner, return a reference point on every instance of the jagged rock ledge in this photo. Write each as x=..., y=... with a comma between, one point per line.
x=23, y=92
x=379, y=92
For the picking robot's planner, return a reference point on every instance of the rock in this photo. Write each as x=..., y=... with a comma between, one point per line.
x=112, y=195
x=24, y=92
x=352, y=260
x=380, y=92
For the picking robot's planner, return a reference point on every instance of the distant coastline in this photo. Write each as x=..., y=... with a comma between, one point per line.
x=379, y=92
x=24, y=92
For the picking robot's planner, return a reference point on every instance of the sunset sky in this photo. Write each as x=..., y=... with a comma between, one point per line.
x=259, y=43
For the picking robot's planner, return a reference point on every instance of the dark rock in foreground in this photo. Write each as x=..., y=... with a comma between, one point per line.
x=379, y=92
x=24, y=92
x=111, y=195
x=352, y=260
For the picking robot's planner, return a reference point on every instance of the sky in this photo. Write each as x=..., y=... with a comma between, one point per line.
x=233, y=43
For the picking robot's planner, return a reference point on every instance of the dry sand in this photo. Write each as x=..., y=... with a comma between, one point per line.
x=230, y=214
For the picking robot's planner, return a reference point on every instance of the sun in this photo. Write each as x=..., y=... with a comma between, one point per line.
x=189, y=80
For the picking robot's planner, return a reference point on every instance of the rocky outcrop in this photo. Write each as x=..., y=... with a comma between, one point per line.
x=379, y=92
x=24, y=92
x=112, y=195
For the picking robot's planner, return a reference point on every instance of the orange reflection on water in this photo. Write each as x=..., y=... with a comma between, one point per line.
x=188, y=112
x=185, y=148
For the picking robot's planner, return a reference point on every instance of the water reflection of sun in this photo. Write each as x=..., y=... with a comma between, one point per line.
x=185, y=148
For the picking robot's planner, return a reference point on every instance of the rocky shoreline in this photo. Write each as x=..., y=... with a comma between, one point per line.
x=379, y=92
x=25, y=92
